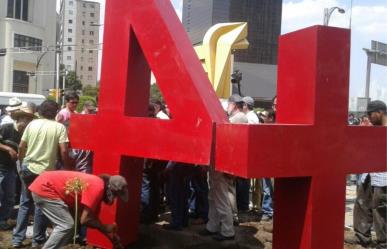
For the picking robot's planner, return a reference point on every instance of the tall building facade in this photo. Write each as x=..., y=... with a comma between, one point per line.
x=258, y=62
x=80, y=39
x=28, y=33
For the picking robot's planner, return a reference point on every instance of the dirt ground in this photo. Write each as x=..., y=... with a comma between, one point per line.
x=250, y=234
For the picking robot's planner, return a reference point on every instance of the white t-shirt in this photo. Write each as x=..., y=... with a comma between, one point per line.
x=252, y=118
x=162, y=115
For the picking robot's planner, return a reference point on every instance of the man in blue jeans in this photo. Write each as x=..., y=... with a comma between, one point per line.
x=38, y=151
x=10, y=135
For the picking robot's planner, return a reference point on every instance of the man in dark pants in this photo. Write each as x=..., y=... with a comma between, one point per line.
x=371, y=199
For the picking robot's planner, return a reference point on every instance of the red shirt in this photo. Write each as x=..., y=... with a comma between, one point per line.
x=60, y=185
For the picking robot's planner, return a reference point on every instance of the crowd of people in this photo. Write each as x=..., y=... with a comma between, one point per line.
x=35, y=148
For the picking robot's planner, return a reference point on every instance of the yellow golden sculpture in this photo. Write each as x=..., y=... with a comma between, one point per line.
x=216, y=53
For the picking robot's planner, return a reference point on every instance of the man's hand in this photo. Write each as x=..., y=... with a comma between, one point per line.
x=12, y=153
x=111, y=231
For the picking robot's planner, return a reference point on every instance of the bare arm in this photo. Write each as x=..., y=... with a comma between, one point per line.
x=64, y=153
x=9, y=150
x=109, y=230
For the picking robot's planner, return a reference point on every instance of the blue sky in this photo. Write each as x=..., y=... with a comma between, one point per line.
x=369, y=22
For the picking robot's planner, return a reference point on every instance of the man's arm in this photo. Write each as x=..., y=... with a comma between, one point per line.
x=22, y=151
x=109, y=230
x=9, y=150
x=64, y=153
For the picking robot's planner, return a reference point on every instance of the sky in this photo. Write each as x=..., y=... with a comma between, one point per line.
x=368, y=20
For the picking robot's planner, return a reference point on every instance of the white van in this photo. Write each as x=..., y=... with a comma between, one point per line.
x=34, y=98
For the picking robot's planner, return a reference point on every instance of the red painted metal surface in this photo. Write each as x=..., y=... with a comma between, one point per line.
x=144, y=35
x=311, y=149
x=311, y=142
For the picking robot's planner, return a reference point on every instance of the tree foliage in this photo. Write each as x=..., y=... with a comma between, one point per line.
x=155, y=93
x=90, y=91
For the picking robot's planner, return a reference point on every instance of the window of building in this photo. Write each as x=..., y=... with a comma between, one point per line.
x=83, y=32
x=90, y=59
x=70, y=12
x=69, y=58
x=27, y=42
x=20, y=81
x=69, y=39
x=90, y=68
x=81, y=68
x=71, y=3
x=90, y=51
x=84, y=5
x=70, y=30
x=83, y=13
x=92, y=6
x=83, y=23
x=91, y=14
x=18, y=9
x=70, y=21
x=83, y=41
x=91, y=32
x=69, y=48
x=68, y=68
x=91, y=41
x=89, y=77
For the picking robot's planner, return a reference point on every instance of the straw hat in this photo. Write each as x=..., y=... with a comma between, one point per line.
x=13, y=104
x=23, y=111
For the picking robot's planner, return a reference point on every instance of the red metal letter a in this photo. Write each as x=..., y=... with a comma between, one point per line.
x=144, y=35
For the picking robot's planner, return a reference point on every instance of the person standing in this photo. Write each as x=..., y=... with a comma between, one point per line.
x=222, y=187
x=72, y=100
x=370, y=208
x=38, y=152
x=10, y=135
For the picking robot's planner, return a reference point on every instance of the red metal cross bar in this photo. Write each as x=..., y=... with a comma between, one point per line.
x=144, y=35
x=311, y=149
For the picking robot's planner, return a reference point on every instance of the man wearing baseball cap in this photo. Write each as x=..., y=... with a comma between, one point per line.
x=370, y=208
x=54, y=193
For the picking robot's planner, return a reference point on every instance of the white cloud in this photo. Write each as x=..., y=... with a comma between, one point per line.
x=369, y=22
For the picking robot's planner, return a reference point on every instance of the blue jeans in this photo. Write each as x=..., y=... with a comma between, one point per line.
x=267, y=202
x=243, y=194
x=198, y=202
x=7, y=193
x=40, y=221
x=178, y=193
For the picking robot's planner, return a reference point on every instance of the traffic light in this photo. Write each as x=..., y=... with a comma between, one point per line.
x=3, y=51
x=52, y=92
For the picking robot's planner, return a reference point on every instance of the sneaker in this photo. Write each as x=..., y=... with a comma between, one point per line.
x=205, y=232
x=219, y=237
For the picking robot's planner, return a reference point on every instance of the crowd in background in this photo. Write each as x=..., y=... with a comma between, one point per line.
x=34, y=144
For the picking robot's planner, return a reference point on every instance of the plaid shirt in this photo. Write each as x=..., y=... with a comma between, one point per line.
x=377, y=179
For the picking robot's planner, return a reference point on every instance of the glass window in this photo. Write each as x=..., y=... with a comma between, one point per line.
x=69, y=48
x=69, y=39
x=71, y=3
x=27, y=42
x=91, y=41
x=70, y=30
x=90, y=51
x=91, y=14
x=70, y=21
x=83, y=23
x=17, y=9
x=90, y=68
x=70, y=12
x=20, y=81
x=68, y=57
x=81, y=68
x=91, y=32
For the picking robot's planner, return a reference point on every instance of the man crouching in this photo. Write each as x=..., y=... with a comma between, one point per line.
x=55, y=191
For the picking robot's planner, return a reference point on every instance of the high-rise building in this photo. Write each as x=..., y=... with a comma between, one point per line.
x=80, y=39
x=28, y=33
x=258, y=62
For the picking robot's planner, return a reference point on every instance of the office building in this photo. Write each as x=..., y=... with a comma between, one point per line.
x=27, y=32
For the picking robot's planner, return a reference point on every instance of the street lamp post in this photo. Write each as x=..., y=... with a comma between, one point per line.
x=328, y=12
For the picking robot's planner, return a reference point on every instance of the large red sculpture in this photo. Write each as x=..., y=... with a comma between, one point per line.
x=311, y=143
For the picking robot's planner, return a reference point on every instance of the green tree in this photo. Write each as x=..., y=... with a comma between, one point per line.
x=72, y=82
x=155, y=93
x=90, y=90
x=82, y=100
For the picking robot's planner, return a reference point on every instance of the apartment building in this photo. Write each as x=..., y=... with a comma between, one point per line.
x=80, y=39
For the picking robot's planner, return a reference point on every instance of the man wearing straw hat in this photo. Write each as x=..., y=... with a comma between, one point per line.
x=14, y=104
x=10, y=135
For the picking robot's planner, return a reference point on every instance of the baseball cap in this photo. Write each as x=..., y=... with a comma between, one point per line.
x=235, y=98
x=248, y=100
x=119, y=186
x=375, y=106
